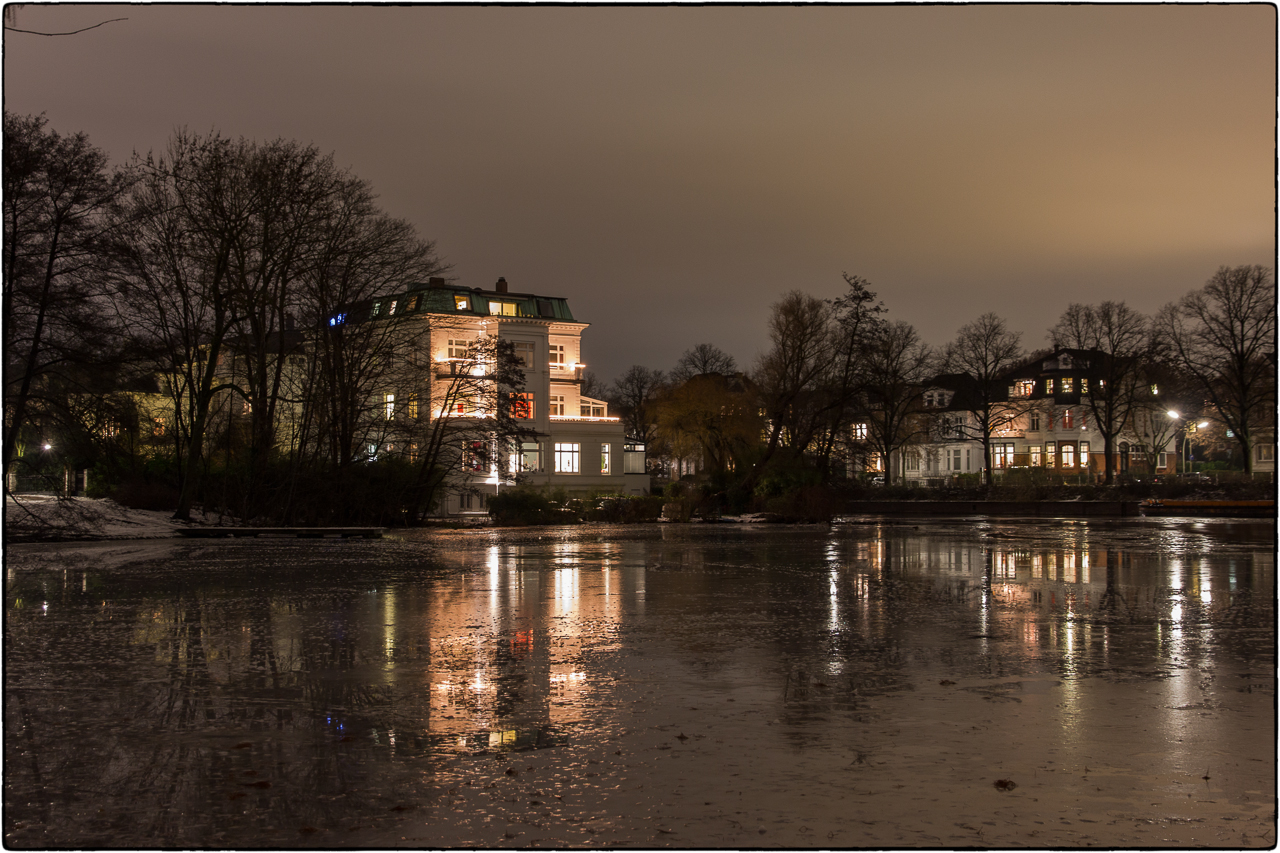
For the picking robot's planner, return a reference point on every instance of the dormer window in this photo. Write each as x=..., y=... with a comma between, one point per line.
x=502, y=309
x=461, y=303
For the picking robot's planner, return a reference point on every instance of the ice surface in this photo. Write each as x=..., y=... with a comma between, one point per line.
x=911, y=683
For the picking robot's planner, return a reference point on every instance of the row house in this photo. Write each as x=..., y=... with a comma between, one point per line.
x=1046, y=423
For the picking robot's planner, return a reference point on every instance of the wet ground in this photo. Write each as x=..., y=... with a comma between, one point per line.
x=896, y=683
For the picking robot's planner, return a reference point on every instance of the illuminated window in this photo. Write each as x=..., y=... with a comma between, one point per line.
x=566, y=458
x=1068, y=455
x=1002, y=454
x=1155, y=390
x=1068, y=385
x=590, y=409
x=458, y=347
x=530, y=456
x=476, y=458
x=1084, y=454
x=392, y=309
x=1050, y=454
x=604, y=458
x=502, y=309
x=157, y=426
x=1163, y=460
x=411, y=406
x=1084, y=385
x=860, y=432
x=461, y=303
x=1036, y=458
x=1067, y=422
x=557, y=355
x=524, y=353
x=391, y=406
x=337, y=319
x=522, y=406
x=412, y=304
x=1024, y=387
x=1048, y=386
x=1265, y=453
x=557, y=405
x=377, y=306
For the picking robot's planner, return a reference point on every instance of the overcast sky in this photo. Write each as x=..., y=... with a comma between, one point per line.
x=673, y=170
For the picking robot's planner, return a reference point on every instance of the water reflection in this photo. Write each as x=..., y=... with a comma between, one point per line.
x=348, y=672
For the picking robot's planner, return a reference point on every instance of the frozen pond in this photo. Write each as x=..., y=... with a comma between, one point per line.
x=904, y=683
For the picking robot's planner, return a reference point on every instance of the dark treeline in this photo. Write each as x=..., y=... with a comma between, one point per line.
x=166, y=329
x=842, y=391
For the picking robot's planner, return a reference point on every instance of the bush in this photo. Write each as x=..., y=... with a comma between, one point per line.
x=521, y=505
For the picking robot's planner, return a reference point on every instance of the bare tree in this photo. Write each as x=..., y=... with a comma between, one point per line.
x=855, y=317
x=897, y=363
x=789, y=377
x=703, y=358
x=57, y=193
x=635, y=394
x=1118, y=344
x=1224, y=335
x=983, y=352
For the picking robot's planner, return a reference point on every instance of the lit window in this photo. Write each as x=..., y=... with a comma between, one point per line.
x=1067, y=421
x=157, y=426
x=392, y=309
x=557, y=355
x=1155, y=390
x=1024, y=387
x=1265, y=453
x=1050, y=454
x=461, y=303
x=337, y=319
x=1162, y=461
x=377, y=306
x=476, y=457
x=1002, y=454
x=502, y=309
x=391, y=406
x=458, y=347
x=412, y=304
x=557, y=405
x=859, y=432
x=522, y=406
x=604, y=459
x=1084, y=454
x=524, y=353
x=589, y=409
x=411, y=406
x=1048, y=386
x=566, y=458
x=1084, y=385
x=530, y=456
x=1068, y=455
x=1068, y=385
x=1036, y=459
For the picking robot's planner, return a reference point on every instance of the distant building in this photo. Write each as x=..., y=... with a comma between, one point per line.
x=1050, y=426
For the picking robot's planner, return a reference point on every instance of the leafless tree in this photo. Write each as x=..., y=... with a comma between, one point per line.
x=635, y=395
x=703, y=358
x=897, y=363
x=983, y=352
x=57, y=193
x=790, y=376
x=1224, y=335
x=1118, y=340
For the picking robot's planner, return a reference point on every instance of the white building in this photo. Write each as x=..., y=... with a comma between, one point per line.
x=578, y=446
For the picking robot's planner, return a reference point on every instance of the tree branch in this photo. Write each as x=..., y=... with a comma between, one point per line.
x=73, y=32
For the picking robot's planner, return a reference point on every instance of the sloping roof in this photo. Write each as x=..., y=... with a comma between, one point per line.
x=434, y=298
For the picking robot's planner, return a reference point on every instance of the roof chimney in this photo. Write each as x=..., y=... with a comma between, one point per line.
x=435, y=281
x=501, y=286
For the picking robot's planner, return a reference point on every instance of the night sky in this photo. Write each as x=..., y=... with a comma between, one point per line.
x=673, y=170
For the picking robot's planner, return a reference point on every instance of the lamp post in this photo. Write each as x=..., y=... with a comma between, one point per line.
x=1187, y=428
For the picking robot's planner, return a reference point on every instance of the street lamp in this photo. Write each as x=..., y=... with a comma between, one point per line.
x=1186, y=430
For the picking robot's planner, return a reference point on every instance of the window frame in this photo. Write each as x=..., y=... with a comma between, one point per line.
x=568, y=457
